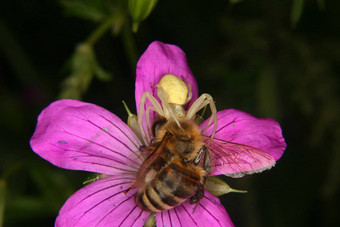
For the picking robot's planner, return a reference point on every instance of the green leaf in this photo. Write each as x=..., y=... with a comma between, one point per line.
x=296, y=13
x=95, y=10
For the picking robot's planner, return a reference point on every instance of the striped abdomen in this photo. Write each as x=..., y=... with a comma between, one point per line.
x=170, y=187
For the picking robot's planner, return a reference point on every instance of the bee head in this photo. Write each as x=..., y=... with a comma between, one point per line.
x=186, y=139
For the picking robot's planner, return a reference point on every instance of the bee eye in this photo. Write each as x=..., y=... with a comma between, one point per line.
x=199, y=155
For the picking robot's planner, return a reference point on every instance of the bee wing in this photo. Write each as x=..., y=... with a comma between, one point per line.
x=236, y=160
x=145, y=172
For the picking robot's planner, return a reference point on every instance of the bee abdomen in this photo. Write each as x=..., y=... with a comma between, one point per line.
x=171, y=187
x=150, y=199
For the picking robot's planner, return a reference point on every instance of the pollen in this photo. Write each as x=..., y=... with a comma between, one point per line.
x=175, y=88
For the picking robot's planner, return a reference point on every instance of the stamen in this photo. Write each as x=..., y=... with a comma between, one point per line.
x=127, y=108
x=133, y=122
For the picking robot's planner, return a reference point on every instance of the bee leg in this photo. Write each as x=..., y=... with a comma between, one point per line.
x=207, y=167
x=198, y=195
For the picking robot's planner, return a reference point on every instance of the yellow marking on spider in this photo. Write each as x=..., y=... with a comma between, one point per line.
x=175, y=88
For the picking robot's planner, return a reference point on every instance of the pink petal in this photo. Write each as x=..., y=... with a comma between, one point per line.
x=158, y=60
x=209, y=212
x=82, y=136
x=102, y=203
x=242, y=128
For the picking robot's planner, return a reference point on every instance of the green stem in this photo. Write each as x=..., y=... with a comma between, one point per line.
x=100, y=30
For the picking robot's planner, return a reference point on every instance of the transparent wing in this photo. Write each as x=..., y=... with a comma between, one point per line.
x=236, y=160
x=145, y=172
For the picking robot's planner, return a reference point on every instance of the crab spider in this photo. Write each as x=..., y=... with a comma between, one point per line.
x=173, y=94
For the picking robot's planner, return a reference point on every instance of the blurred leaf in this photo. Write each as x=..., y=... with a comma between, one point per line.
x=14, y=117
x=27, y=206
x=2, y=200
x=37, y=192
x=321, y=4
x=140, y=10
x=53, y=185
x=296, y=13
x=266, y=91
x=95, y=10
x=83, y=67
x=101, y=73
x=20, y=62
x=235, y=1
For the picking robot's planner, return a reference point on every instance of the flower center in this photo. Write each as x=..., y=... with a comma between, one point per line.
x=175, y=88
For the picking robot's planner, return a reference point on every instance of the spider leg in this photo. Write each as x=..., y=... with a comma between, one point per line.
x=202, y=101
x=155, y=107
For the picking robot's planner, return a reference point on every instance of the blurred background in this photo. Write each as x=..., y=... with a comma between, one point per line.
x=271, y=58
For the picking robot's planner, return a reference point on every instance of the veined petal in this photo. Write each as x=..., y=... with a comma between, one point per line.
x=158, y=60
x=242, y=128
x=103, y=203
x=209, y=212
x=82, y=136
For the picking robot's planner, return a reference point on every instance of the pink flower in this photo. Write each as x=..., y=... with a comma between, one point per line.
x=81, y=136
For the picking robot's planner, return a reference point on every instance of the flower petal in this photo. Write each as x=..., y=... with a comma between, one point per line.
x=242, y=128
x=103, y=203
x=158, y=60
x=82, y=136
x=209, y=212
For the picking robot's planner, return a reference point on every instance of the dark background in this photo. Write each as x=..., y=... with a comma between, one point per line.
x=249, y=56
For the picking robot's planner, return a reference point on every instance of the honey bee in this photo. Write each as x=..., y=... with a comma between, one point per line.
x=177, y=168
x=178, y=158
